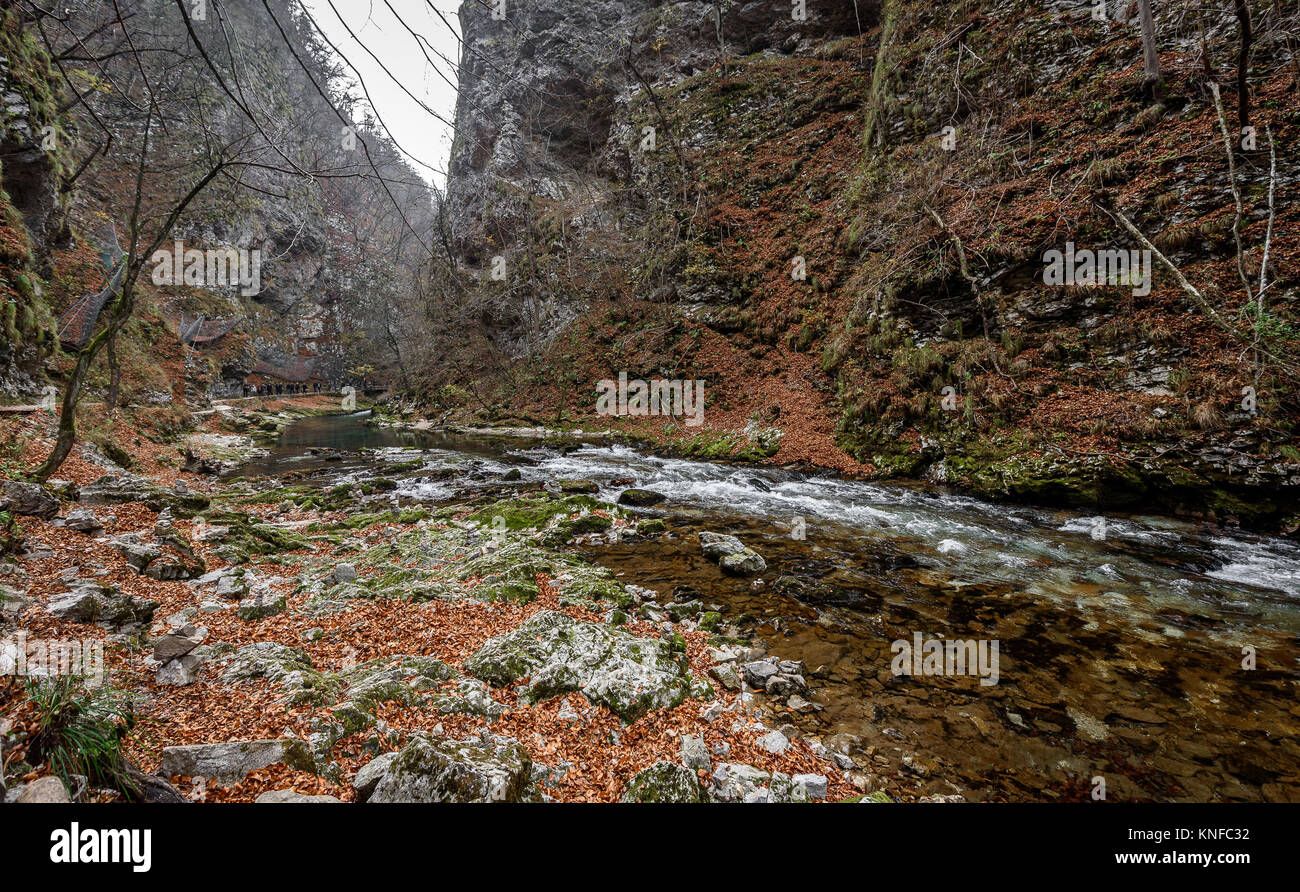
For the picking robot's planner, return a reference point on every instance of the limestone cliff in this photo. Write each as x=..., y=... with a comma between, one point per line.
x=917, y=162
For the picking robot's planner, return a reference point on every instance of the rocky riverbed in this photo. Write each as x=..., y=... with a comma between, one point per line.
x=343, y=590
x=283, y=639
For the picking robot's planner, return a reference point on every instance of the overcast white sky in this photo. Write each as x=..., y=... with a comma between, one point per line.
x=425, y=139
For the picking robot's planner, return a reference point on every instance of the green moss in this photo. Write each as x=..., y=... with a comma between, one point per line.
x=250, y=536
x=531, y=513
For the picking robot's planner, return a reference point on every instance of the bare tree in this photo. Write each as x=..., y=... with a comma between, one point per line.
x=120, y=308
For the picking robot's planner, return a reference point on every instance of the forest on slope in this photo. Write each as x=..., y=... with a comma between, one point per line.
x=844, y=226
x=327, y=464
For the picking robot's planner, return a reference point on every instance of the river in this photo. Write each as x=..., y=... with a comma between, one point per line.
x=1124, y=642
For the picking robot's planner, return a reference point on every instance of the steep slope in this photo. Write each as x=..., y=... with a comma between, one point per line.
x=326, y=250
x=919, y=176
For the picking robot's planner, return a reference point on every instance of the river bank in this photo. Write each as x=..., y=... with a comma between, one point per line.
x=1117, y=633
x=310, y=638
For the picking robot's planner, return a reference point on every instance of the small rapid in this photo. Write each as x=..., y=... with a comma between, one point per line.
x=1158, y=653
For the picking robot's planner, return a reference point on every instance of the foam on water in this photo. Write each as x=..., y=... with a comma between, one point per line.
x=1163, y=562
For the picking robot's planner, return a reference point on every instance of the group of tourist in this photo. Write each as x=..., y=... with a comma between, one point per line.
x=281, y=389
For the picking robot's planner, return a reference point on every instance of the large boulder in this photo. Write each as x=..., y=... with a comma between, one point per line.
x=89, y=602
x=665, y=782
x=27, y=499
x=718, y=545
x=431, y=769
x=743, y=563
x=558, y=654
x=229, y=763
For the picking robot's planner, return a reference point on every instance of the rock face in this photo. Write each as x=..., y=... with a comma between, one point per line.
x=564, y=115
x=228, y=763
x=630, y=675
x=430, y=769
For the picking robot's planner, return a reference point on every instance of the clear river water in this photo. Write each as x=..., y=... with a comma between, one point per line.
x=1124, y=642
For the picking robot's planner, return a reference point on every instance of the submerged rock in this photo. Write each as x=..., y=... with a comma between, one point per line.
x=743, y=563
x=640, y=498
x=718, y=545
x=629, y=674
x=731, y=554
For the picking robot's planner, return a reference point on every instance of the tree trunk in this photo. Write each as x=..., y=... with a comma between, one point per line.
x=114, y=374
x=1152, y=82
x=67, y=437
x=1243, y=62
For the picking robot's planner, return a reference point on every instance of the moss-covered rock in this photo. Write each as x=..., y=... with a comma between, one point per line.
x=651, y=527
x=665, y=782
x=431, y=769
x=558, y=654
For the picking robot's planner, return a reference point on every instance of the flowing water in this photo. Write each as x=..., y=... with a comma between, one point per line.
x=1124, y=642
